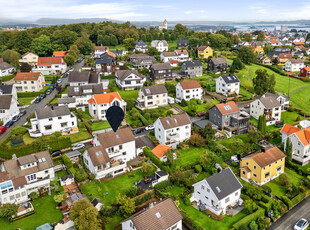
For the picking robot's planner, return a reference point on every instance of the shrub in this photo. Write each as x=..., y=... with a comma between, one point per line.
x=34, y=195
x=250, y=206
x=266, y=188
x=284, y=179
x=80, y=175
x=298, y=198
x=91, y=177
x=234, y=164
x=198, y=168
x=19, y=130
x=72, y=170
x=131, y=192
x=247, y=220
x=147, y=152
x=67, y=161
x=183, y=103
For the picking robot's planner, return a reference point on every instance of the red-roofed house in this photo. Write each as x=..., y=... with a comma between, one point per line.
x=50, y=65
x=160, y=151
x=29, y=81
x=188, y=89
x=61, y=54
x=305, y=72
x=99, y=104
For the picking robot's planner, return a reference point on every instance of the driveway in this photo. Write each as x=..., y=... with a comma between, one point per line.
x=31, y=108
x=289, y=219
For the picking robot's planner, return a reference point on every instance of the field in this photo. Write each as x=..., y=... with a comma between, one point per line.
x=189, y=155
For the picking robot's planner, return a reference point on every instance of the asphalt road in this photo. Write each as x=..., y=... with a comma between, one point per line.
x=288, y=220
x=31, y=108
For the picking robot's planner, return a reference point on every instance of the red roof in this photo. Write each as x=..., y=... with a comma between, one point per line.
x=289, y=129
x=160, y=150
x=181, y=51
x=27, y=76
x=60, y=53
x=101, y=48
x=173, y=61
x=227, y=108
x=47, y=61
x=104, y=98
x=192, y=84
x=307, y=68
x=298, y=43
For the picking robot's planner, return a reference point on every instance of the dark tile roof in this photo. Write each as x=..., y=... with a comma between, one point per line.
x=5, y=101
x=218, y=60
x=83, y=76
x=140, y=43
x=192, y=84
x=96, y=201
x=175, y=121
x=98, y=155
x=160, y=66
x=140, y=143
x=269, y=102
x=119, y=137
x=194, y=63
x=27, y=159
x=224, y=183
x=66, y=100
x=6, y=89
x=63, y=178
x=154, y=90
x=4, y=66
x=123, y=74
x=96, y=89
x=52, y=111
x=230, y=78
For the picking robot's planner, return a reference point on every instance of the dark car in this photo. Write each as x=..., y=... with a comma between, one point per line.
x=9, y=124
x=42, y=96
x=37, y=100
x=65, y=75
x=22, y=112
x=48, y=92
x=56, y=153
x=16, y=118
x=137, y=131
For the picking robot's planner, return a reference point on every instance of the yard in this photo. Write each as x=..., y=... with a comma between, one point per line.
x=189, y=155
x=45, y=211
x=289, y=117
x=25, y=100
x=127, y=94
x=100, y=125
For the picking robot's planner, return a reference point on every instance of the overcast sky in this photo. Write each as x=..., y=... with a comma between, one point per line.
x=136, y=10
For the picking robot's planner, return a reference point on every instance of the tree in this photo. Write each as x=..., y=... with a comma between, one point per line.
x=63, y=38
x=208, y=161
x=268, y=48
x=11, y=56
x=237, y=64
x=260, y=36
x=84, y=44
x=196, y=140
x=263, y=222
x=262, y=123
x=8, y=210
x=69, y=59
x=67, y=161
x=125, y=205
x=284, y=180
x=41, y=45
x=253, y=225
x=194, y=42
x=25, y=67
x=250, y=206
x=264, y=82
x=246, y=55
x=180, y=29
x=74, y=52
x=288, y=150
x=171, y=154
x=22, y=41
x=152, y=51
x=19, y=131
x=113, y=40
x=146, y=169
x=84, y=215
x=208, y=133
x=248, y=38
x=129, y=43
x=218, y=41
x=59, y=198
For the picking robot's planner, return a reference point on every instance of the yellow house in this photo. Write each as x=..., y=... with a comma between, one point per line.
x=29, y=58
x=262, y=167
x=205, y=52
x=283, y=58
x=258, y=47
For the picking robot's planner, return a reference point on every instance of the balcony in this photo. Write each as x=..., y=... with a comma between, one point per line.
x=115, y=153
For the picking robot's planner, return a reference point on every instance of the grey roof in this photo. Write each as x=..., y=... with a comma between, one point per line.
x=218, y=60
x=52, y=111
x=96, y=89
x=4, y=65
x=72, y=154
x=174, y=121
x=63, y=178
x=105, y=58
x=230, y=78
x=119, y=137
x=224, y=183
x=5, y=101
x=160, y=66
x=6, y=89
x=154, y=90
x=192, y=63
x=182, y=41
x=66, y=100
x=275, y=95
x=161, y=173
x=27, y=159
x=123, y=74
x=83, y=76
x=269, y=102
x=140, y=143
x=96, y=201
x=140, y=43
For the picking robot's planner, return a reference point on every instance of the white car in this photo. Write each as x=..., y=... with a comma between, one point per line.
x=302, y=224
x=78, y=146
x=59, y=81
x=150, y=127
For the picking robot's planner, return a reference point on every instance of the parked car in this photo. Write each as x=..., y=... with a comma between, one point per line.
x=9, y=124
x=201, y=114
x=59, y=81
x=42, y=96
x=16, y=118
x=150, y=127
x=2, y=129
x=56, y=153
x=92, y=143
x=302, y=224
x=22, y=112
x=136, y=131
x=48, y=92
x=67, y=130
x=71, y=69
x=37, y=100
x=78, y=146
x=65, y=75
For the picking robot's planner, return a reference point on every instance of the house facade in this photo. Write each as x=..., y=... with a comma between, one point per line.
x=82, y=93
x=175, y=57
x=294, y=65
x=8, y=107
x=305, y=72
x=141, y=60
x=50, y=65
x=227, y=85
x=264, y=60
x=205, y=52
x=262, y=166
x=99, y=50
x=6, y=69
x=98, y=104
x=186, y=90
x=282, y=58
x=217, y=64
x=77, y=78
x=160, y=72
x=182, y=43
x=219, y=191
x=29, y=58
x=141, y=46
x=29, y=82
x=258, y=47
x=160, y=45
x=129, y=79
x=151, y=97
x=192, y=69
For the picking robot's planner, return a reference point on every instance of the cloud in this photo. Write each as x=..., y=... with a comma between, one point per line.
x=201, y=11
x=259, y=10
x=188, y=12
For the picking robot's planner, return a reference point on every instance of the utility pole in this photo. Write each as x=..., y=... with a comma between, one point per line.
x=289, y=85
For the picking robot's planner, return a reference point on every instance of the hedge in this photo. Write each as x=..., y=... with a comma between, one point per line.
x=274, y=69
x=246, y=220
x=190, y=223
x=147, y=152
x=107, y=77
x=8, y=77
x=287, y=201
x=298, y=198
x=32, y=94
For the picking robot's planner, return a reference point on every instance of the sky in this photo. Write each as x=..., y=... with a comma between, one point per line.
x=176, y=10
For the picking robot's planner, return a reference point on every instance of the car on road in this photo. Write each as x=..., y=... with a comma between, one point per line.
x=78, y=146
x=42, y=96
x=71, y=69
x=9, y=124
x=22, y=112
x=201, y=114
x=37, y=100
x=302, y=224
x=16, y=118
x=56, y=153
x=150, y=127
x=65, y=75
x=59, y=81
x=137, y=131
x=2, y=129
x=48, y=92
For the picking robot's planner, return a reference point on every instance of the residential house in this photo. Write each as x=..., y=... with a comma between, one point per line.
x=141, y=46
x=21, y=176
x=283, y=100
x=160, y=151
x=6, y=69
x=264, y=60
x=108, y=64
x=141, y=60
x=305, y=72
x=229, y=117
x=82, y=93
x=163, y=26
x=218, y=192
x=8, y=90
x=187, y=90
x=182, y=43
x=160, y=72
x=129, y=79
x=98, y=104
x=300, y=140
x=163, y=215
x=268, y=106
x=258, y=47
x=283, y=58
x=61, y=54
x=262, y=166
x=50, y=65
x=192, y=69
x=298, y=54
x=160, y=45
x=29, y=58
x=217, y=64
x=99, y=50
x=294, y=65
x=8, y=103
x=52, y=119
x=175, y=57
x=205, y=52
x=110, y=153
x=77, y=78
x=151, y=97
x=29, y=81
x=182, y=55
x=66, y=180
x=120, y=53
x=279, y=50
x=228, y=84
x=173, y=129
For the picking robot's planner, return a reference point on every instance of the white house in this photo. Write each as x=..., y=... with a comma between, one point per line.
x=98, y=50
x=173, y=129
x=141, y=46
x=129, y=79
x=294, y=65
x=300, y=140
x=152, y=96
x=52, y=119
x=82, y=93
x=160, y=45
x=188, y=89
x=77, y=78
x=8, y=107
x=267, y=105
x=282, y=99
x=29, y=81
x=50, y=65
x=218, y=191
x=66, y=180
x=98, y=104
x=29, y=58
x=110, y=153
x=177, y=55
x=158, y=216
x=227, y=85
x=6, y=69
x=21, y=176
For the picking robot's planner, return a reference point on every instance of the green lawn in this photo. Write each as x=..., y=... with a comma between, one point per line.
x=228, y=142
x=289, y=117
x=100, y=125
x=245, y=81
x=245, y=93
x=175, y=190
x=82, y=135
x=45, y=211
x=25, y=100
x=118, y=47
x=118, y=185
x=189, y=155
x=301, y=99
x=114, y=222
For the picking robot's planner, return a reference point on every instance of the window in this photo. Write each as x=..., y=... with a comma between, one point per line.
x=236, y=193
x=279, y=168
x=247, y=163
x=267, y=175
x=124, y=153
x=12, y=197
x=270, y=166
x=59, y=118
x=207, y=198
x=46, y=171
x=48, y=127
x=243, y=172
x=254, y=167
x=208, y=190
x=120, y=147
x=198, y=192
x=227, y=200
x=202, y=187
x=254, y=175
x=17, y=195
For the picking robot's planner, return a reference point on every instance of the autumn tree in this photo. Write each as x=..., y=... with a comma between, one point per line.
x=126, y=206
